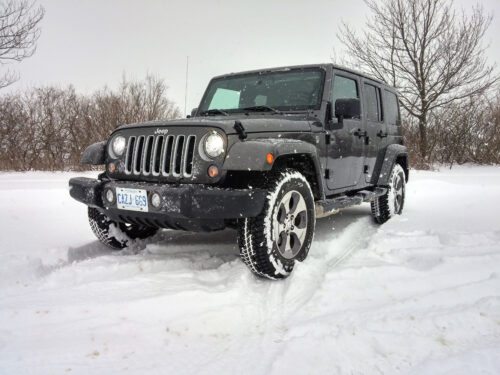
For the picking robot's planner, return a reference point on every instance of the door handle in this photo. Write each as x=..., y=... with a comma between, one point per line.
x=381, y=134
x=360, y=133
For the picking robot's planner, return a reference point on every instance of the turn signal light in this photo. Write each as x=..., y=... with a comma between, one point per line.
x=270, y=158
x=213, y=171
x=111, y=167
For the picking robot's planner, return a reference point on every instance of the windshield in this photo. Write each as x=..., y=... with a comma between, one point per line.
x=273, y=91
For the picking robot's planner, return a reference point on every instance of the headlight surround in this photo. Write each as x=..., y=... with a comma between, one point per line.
x=213, y=145
x=118, y=145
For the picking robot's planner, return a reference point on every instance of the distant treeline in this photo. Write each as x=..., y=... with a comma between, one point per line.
x=48, y=128
x=463, y=132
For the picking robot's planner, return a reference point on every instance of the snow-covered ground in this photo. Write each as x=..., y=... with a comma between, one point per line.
x=418, y=295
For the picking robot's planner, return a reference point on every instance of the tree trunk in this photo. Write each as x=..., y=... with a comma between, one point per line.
x=422, y=129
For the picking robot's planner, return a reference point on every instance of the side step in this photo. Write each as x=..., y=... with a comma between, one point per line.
x=328, y=207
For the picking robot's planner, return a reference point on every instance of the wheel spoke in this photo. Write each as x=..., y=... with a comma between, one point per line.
x=397, y=203
x=300, y=220
x=283, y=241
x=399, y=185
x=293, y=201
x=281, y=214
x=301, y=206
x=299, y=232
x=295, y=242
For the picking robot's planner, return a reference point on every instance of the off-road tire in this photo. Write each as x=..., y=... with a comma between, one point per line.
x=116, y=235
x=258, y=248
x=386, y=206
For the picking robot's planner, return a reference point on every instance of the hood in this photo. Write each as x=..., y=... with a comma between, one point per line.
x=252, y=124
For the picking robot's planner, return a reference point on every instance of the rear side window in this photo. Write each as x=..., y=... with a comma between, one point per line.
x=344, y=88
x=392, y=108
x=373, y=105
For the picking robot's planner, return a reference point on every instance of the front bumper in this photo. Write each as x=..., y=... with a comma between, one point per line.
x=188, y=201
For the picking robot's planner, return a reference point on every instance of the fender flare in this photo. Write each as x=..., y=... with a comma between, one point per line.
x=385, y=162
x=95, y=154
x=252, y=155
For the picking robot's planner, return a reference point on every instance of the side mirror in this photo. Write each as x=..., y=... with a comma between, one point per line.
x=193, y=113
x=347, y=108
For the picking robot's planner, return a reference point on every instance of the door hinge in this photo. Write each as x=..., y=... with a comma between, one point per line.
x=328, y=138
x=327, y=174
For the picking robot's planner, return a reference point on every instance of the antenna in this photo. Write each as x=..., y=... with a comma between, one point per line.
x=186, y=89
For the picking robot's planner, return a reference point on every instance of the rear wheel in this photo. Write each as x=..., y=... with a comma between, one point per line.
x=116, y=235
x=392, y=202
x=271, y=242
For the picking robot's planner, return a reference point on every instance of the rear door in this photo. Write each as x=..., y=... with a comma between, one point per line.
x=392, y=118
x=376, y=129
x=346, y=150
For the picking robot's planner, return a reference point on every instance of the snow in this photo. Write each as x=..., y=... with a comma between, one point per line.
x=418, y=295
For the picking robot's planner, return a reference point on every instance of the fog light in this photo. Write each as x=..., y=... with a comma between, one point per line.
x=156, y=200
x=213, y=171
x=110, y=196
x=111, y=167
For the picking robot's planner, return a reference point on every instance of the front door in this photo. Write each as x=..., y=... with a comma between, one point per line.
x=346, y=148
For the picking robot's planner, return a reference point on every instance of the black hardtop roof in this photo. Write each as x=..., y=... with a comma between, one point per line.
x=284, y=68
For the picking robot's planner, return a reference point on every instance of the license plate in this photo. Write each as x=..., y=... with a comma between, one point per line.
x=132, y=199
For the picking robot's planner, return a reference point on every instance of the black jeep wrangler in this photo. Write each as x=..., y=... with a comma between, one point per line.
x=267, y=153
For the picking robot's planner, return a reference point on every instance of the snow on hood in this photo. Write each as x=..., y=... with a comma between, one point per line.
x=252, y=124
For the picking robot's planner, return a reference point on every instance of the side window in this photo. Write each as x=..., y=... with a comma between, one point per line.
x=372, y=103
x=344, y=88
x=392, y=108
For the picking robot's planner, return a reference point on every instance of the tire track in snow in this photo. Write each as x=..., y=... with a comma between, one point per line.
x=309, y=277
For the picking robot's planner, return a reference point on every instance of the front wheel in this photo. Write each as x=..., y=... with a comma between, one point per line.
x=271, y=242
x=392, y=202
x=116, y=235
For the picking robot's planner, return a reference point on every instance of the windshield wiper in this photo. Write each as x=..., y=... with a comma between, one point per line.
x=261, y=108
x=214, y=112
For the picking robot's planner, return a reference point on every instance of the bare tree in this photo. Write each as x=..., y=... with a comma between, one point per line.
x=19, y=32
x=431, y=54
x=48, y=128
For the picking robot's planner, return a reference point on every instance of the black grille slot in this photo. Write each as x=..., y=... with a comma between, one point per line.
x=146, y=161
x=178, y=152
x=157, y=155
x=188, y=165
x=130, y=155
x=138, y=154
x=167, y=154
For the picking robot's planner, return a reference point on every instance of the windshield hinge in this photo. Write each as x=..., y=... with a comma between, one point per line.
x=240, y=129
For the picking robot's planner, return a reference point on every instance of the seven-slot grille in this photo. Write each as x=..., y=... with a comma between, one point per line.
x=166, y=155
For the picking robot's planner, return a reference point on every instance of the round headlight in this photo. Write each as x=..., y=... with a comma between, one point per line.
x=214, y=145
x=118, y=145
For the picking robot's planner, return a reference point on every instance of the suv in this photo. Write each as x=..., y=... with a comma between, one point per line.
x=266, y=153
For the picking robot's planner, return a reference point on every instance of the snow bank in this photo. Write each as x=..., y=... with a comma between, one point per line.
x=418, y=295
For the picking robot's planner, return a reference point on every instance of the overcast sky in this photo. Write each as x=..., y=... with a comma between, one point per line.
x=93, y=43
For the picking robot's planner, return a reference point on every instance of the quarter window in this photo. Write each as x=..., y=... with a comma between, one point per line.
x=373, y=103
x=344, y=88
x=392, y=108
